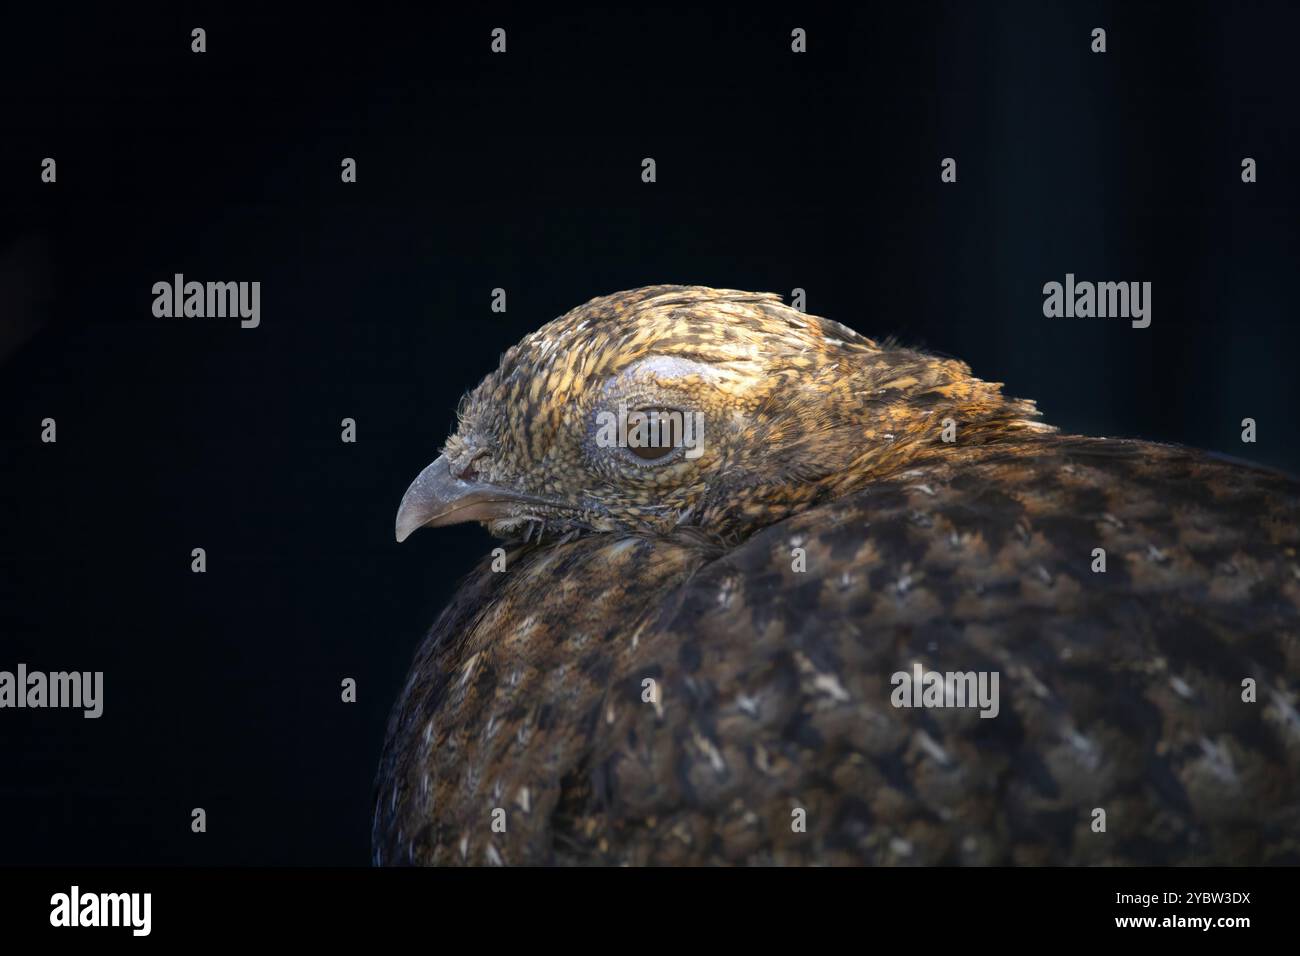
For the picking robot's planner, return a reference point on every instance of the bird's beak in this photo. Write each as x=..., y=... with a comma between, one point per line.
x=437, y=497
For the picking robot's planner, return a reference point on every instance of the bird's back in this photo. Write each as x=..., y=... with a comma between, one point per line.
x=663, y=700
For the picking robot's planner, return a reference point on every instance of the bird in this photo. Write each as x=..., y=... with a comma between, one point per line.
x=719, y=651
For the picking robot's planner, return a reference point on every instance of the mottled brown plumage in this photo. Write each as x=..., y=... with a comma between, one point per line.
x=1119, y=690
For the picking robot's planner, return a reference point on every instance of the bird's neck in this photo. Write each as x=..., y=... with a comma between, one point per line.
x=901, y=412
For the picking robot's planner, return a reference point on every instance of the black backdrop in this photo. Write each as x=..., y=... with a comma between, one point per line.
x=522, y=171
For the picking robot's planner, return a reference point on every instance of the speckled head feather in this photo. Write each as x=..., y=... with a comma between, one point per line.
x=793, y=408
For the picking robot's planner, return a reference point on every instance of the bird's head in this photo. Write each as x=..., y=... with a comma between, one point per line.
x=670, y=406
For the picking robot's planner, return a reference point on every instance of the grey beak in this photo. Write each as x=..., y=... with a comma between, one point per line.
x=437, y=497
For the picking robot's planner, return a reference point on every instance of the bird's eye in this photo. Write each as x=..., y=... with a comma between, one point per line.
x=653, y=433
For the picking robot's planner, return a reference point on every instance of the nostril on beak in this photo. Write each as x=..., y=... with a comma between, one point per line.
x=468, y=471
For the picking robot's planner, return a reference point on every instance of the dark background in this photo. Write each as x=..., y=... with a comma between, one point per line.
x=776, y=171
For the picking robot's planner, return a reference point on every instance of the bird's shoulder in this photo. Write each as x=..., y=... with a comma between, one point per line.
x=1121, y=591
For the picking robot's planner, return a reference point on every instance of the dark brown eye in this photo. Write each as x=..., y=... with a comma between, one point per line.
x=653, y=433
x=650, y=454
